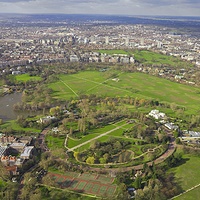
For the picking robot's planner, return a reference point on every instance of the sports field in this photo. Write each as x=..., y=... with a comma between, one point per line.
x=130, y=84
x=99, y=185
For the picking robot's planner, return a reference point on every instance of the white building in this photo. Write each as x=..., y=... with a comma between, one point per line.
x=157, y=115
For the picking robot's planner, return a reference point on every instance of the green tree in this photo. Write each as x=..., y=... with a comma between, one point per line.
x=90, y=160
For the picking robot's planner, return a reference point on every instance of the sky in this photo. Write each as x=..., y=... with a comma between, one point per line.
x=113, y=7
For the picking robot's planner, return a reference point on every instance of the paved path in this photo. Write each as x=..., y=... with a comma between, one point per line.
x=97, y=137
x=192, y=188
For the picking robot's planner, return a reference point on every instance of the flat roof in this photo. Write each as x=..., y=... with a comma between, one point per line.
x=27, y=151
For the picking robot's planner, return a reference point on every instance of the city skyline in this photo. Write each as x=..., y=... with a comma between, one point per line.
x=112, y=7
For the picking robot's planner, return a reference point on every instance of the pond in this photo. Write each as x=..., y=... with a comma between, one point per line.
x=6, y=106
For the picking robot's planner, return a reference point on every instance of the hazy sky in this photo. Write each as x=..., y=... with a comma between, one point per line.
x=129, y=7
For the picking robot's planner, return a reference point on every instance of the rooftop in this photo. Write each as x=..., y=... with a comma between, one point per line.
x=27, y=151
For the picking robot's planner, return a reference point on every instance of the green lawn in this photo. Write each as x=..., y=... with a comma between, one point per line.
x=55, y=142
x=187, y=176
x=191, y=195
x=130, y=84
x=13, y=125
x=27, y=77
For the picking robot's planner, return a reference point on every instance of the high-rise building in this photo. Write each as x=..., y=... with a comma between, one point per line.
x=142, y=41
x=107, y=40
x=127, y=41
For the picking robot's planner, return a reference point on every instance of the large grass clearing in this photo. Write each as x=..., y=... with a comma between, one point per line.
x=27, y=77
x=187, y=176
x=130, y=84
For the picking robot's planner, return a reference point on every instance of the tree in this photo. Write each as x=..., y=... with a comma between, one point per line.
x=90, y=160
x=54, y=110
x=178, y=141
x=82, y=125
x=76, y=155
x=94, y=145
x=138, y=182
x=102, y=160
x=121, y=159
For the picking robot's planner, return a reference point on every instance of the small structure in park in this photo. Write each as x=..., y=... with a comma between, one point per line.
x=156, y=114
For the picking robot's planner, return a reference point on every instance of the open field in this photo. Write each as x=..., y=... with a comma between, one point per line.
x=27, y=77
x=130, y=84
x=99, y=185
x=188, y=176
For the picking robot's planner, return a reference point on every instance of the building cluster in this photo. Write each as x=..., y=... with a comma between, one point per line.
x=21, y=46
x=156, y=114
x=15, y=151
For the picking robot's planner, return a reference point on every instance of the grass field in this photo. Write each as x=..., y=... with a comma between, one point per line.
x=187, y=176
x=130, y=84
x=27, y=77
